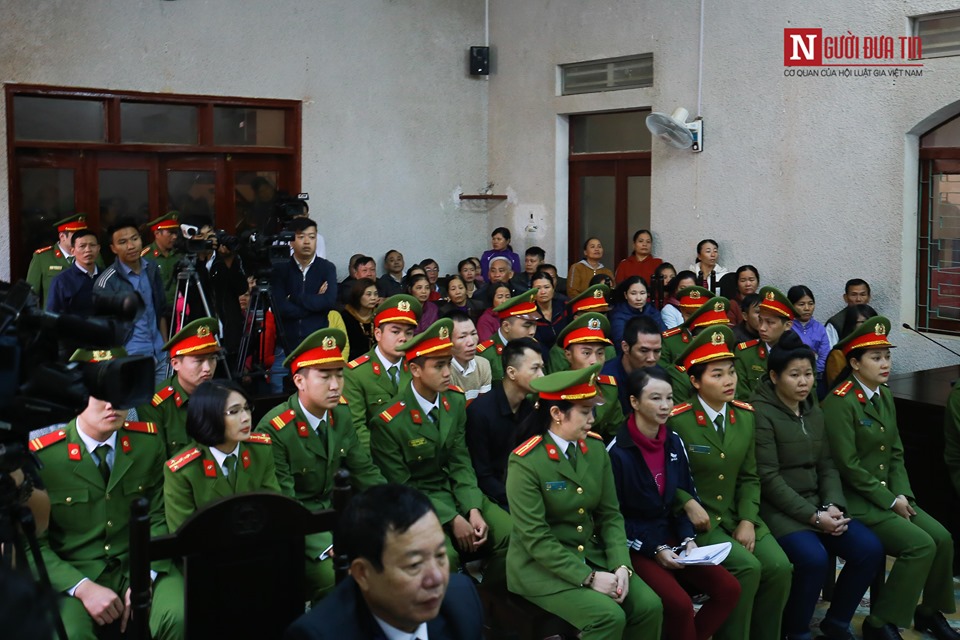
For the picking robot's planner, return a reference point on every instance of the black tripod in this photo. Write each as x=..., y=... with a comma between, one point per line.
x=188, y=279
x=254, y=325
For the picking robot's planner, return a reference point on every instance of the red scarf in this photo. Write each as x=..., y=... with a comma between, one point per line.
x=652, y=450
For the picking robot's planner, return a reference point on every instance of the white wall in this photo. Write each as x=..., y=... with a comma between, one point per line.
x=813, y=180
x=392, y=122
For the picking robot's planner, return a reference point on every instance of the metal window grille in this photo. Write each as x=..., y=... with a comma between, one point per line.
x=611, y=74
x=939, y=34
x=939, y=252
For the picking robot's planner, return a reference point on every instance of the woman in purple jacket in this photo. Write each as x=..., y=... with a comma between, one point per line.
x=813, y=334
x=500, y=240
x=649, y=466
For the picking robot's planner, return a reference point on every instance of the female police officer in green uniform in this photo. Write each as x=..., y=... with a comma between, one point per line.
x=861, y=427
x=568, y=550
x=718, y=432
x=228, y=459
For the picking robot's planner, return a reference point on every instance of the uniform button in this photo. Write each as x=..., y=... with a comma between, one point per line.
x=419, y=457
x=718, y=518
x=883, y=483
x=140, y=488
x=883, y=447
x=69, y=499
x=579, y=529
x=342, y=452
x=723, y=456
x=579, y=489
x=304, y=470
x=720, y=477
x=580, y=548
x=109, y=523
x=106, y=496
x=106, y=547
x=882, y=429
x=720, y=498
x=881, y=467
x=580, y=510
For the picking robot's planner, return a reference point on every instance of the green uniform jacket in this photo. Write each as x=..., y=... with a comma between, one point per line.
x=47, y=263
x=89, y=521
x=490, y=351
x=866, y=448
x=368, y=390
x=562, y=517
x=725, y=472
x=680, y=383
x=556, y=361
x=750, y=365
x=609, y=415
x=951, y=436
x=193, y=478
x=797, y=474
x=166, y=265
x=168, y=410
x=410, y=449
x=673, y=343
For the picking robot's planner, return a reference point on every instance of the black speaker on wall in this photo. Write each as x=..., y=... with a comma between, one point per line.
x=479, y=61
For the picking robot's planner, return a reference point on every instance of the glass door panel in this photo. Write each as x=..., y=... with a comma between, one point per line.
x=598, y=215
x=124, y=193
x=192, y=193
x=47, y=195
x=638, y=209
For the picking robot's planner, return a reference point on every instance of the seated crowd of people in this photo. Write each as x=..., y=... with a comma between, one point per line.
x=571, y=442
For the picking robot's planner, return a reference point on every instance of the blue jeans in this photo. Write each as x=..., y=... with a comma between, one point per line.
x=809, y=552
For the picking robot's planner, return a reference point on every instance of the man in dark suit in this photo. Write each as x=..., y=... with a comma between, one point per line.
x=399, y=580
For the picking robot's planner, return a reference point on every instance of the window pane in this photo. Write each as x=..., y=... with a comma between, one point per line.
x=598, y=216
x=611, y=74
x=158, y=123
x=944, y=257
x=638, y=207
x=606, y=132
x=192, y=193
x=37, y=118
x=248, y=127
x=47, y=197
x=255, y=198
x=124, y=194
x=939, y=34
x=946, y=135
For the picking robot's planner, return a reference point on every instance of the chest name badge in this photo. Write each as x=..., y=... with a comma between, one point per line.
x=867, y=422
x=417, y=442
x=560, y=485
x=55, y=267
x=700, y=448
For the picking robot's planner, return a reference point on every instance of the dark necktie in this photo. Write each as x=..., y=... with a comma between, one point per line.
x=572, y=454
x=230, y=469
x=434, y=415
x=876, y=401
x=394, y=374
x=103, y=465
x=719, y=422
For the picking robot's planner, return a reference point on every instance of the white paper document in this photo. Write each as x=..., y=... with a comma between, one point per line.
x=710, y=554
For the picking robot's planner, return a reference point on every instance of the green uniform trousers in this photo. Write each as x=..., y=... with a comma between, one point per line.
x=599, y=617
x=923, y=549
x=765, y=577
x=166, y=610
x=319, y=575
x=494, y=551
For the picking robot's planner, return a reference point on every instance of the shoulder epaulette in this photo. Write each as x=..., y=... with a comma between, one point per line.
x=680, y=408
x=46, y=440
x=356, y=362
x=593, y=434
x=391, y=412
x=42, y=249
x=528, y=446
x=141, y=427
x=175, y=464
x=260, y=438
x=671, y=332
x=161, y=395
x=610, y=380
x=343, y=400
x=843, y=389
x=454, y=387
x=741, y=404
x=486, y=344
x=145, y=251
x=746, y=345
x=282, y=420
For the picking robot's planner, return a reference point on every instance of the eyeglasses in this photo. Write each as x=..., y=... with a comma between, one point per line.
x=232, y=411
x=432, y=269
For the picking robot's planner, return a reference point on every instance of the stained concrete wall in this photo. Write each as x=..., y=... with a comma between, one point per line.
x=813, y=180
x=393, y=124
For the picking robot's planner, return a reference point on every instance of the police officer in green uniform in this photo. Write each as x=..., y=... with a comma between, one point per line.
x=568, y=550
x=718, y=432
x=584, y=341
x=518, y=319
x=313, y=437
x=193, y=356
x=420, y=441
x=161, y=251
x=776, y=317
x=676, y=340
x=92, y=469
x=710, y=314
x=371, y=380
x=227, y=459
x=861, y=427
x=595, y=299
x=951, y=436
x=49, y=262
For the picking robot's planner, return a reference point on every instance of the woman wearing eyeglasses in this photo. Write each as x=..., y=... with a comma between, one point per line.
x=228, y=459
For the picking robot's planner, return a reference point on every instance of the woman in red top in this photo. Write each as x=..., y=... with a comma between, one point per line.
x=641, y=263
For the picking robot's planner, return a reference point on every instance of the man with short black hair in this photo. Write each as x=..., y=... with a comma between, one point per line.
x=400, y=585
x=532, y=259
x=856, y=291
x=49, y=262
x=131, y=274
x=494, y=419
x=72, y=290
x=641, y=347
x=518, y=319
x=360, y=267
x=467, y=371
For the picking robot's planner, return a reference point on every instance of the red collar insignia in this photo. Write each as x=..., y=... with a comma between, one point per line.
x=209, y=469
x=302, y=430
x=552, y=452
x=245, y=458
x=701, y=418
x=125, y=444
x=73, y=452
